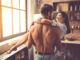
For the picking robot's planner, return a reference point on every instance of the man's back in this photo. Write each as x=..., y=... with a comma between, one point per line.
x=45, y=36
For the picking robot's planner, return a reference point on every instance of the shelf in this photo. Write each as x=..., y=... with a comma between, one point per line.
x=66, y=1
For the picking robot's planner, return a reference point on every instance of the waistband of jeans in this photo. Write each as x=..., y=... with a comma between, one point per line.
x=43, y=53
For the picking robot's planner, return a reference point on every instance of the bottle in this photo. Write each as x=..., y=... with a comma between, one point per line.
x=22, y=55
x=71, y=8
x=16, y=57
x=75, y=7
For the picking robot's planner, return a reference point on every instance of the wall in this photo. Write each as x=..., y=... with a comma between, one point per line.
x=0, y=22
x=32, y=7
x=40, y=3
x=30, y=14
x=37, y=10
x=30, y=11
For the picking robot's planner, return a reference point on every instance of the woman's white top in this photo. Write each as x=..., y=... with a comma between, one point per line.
x=62, y=27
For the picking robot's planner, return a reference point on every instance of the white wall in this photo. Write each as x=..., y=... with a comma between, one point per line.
x=30, y=11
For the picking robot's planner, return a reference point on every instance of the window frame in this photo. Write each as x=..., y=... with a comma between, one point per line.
x=12, y=8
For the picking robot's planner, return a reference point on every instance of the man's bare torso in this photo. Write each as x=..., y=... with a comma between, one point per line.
x=44, y=36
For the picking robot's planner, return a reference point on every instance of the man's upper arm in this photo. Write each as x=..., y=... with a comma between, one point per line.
x=30, y=39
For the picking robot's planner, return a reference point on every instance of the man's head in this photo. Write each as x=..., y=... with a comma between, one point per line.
x=46, y=11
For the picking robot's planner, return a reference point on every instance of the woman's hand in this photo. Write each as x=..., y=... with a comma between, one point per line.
x=13, y=48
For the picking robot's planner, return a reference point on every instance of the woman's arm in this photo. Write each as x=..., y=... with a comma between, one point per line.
x=18, y=43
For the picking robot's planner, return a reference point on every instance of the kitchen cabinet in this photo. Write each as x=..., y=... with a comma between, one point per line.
x=21, y=55
x=72, y=8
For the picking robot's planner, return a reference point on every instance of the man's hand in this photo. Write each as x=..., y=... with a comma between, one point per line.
x=13, y=48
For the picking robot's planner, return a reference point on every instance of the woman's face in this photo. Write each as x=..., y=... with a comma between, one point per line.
x=60, y=18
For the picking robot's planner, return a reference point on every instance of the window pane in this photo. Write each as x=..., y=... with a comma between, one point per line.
x=6, y=2
x=16, y=3
x=22, y=4
x=15, y=21
x=6, y=21
x=23, y=21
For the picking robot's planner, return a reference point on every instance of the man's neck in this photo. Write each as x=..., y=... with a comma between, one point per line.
x=47, y=17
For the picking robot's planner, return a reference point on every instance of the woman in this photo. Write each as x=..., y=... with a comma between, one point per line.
x=63, y=23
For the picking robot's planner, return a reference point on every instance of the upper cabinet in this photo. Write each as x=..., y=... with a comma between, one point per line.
x=67, y=6
x=71, y=7
x=64, y=0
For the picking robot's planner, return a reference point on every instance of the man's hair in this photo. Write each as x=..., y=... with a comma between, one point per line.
x=46, y=8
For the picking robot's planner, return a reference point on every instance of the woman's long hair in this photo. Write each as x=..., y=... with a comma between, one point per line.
x=66, y=21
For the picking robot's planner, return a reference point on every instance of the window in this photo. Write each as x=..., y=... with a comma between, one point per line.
x=12, y=18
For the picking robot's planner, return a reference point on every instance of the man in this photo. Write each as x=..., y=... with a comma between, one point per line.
x=43, y=36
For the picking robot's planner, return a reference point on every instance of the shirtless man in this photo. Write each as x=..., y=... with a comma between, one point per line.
x=43, y=36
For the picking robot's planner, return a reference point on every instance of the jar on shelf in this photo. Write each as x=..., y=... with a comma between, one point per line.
x=71, y=8
x=76, y=7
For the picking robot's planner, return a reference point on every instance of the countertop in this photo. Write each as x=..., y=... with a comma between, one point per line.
x=70, y=42
x=5, y=56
